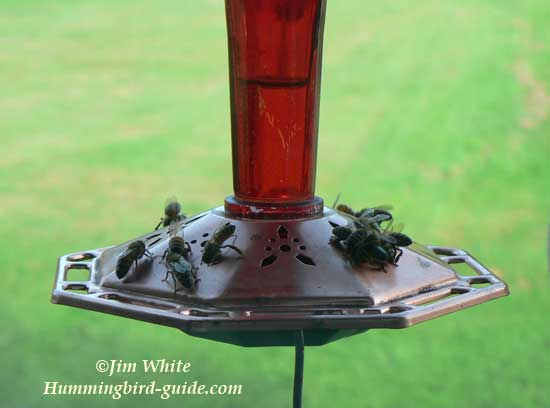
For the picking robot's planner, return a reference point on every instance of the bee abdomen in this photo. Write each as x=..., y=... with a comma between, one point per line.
x=346, y=209
x=123, y=265
x=401, y=239
x=211, y=253
x=177, y=245
x=184, y=272
x=133, y=252
x=223, y=233
x=186, y=279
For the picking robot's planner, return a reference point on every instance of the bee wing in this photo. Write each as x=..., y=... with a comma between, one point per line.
x=357, y=224
x=388, y=227
x=378, y=218
x=173, y=229
x=221, y=233
x=398, y=227
x=171, y=200
x=388, y=238
x=127, y=252
x=181, y=266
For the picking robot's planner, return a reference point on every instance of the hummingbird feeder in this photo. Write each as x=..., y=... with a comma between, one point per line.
x=290, y=286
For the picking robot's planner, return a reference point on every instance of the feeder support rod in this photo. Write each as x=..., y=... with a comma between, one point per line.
x=298, y=370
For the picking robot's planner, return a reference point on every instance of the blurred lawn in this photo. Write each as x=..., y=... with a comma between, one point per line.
x=440, y=108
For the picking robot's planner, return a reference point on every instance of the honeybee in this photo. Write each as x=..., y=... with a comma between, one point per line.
x=212, y=250
x=396, y=238
x=135, y=251
x=181, y=270
x=172, y=213
x=177, y=244
x=177, y=266
x=376, y=214
x=376, y=211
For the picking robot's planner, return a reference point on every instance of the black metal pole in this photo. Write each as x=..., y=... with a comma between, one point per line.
x=298, y=370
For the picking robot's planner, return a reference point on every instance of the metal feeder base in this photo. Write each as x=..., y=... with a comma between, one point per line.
x=290, y=278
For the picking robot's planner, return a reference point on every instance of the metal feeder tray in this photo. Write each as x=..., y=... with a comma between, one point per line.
x=290, y=278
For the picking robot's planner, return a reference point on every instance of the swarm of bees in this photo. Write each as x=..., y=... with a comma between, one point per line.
x=365, y=240
x=135, y=251
x=176, y=256
x=212, y=250
x=172, y=213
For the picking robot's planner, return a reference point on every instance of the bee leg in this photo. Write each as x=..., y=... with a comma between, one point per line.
x=175, y=283
x=159, y=224
x=188, y=247
x=234, y=248
x=164, y=255
x=398, y=254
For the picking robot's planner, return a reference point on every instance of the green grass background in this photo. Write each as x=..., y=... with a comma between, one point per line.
x=440, y=108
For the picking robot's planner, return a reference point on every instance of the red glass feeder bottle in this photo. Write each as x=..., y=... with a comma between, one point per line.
x=275, y=49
